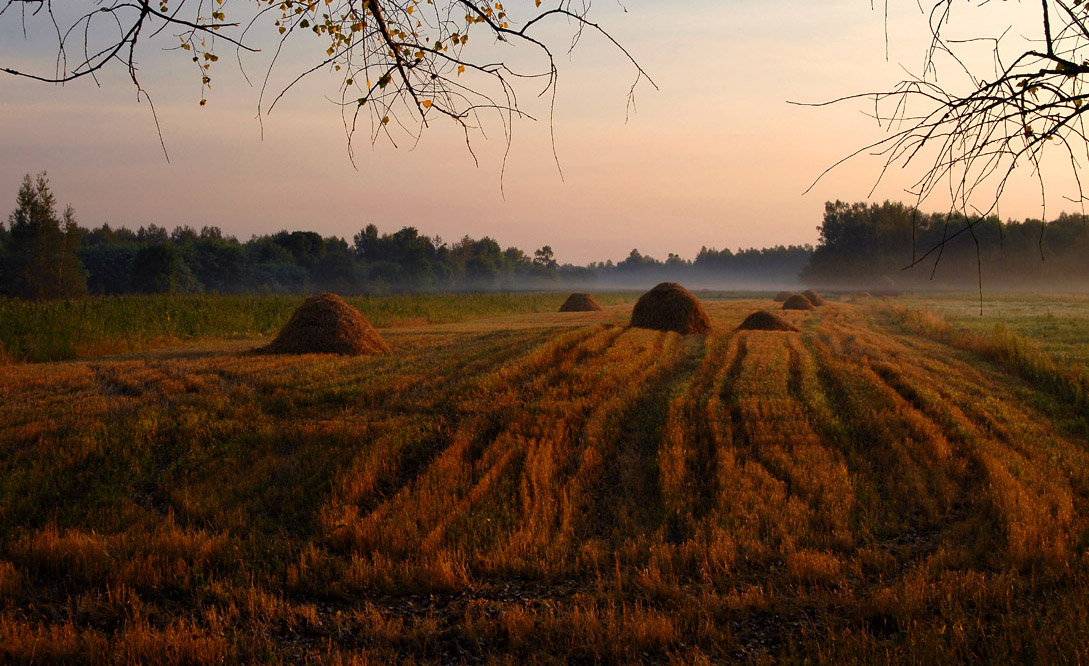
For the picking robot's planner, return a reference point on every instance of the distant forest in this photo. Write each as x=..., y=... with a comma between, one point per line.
x=44, y=254
x=871, y=244
x=154, y=260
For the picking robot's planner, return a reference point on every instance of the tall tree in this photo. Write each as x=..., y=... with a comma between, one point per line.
x=41, y=260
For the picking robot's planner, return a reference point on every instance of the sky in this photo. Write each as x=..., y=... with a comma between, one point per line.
x=716, y=156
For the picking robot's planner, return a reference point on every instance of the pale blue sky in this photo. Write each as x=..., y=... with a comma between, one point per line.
x=716, y=157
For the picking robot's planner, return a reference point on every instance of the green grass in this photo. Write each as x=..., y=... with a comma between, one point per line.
x=64, y=330
x=1057, y=323
x=1024, y=354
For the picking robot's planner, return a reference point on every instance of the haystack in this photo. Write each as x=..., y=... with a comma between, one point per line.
x=580, y=303
x=798, y=302
x=813, y=297
x=670, y=307
x=765, y=321
x=325, y=324
x=782, y=296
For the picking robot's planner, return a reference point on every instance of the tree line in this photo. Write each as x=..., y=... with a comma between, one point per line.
x=45, y=254
x=892, y=245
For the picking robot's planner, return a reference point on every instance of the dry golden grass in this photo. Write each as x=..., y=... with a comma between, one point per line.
x=553, y=488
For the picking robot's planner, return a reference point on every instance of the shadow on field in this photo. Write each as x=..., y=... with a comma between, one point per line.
x=629, y=500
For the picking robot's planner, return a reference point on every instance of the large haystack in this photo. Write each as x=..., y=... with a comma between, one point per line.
x=813, y=297
x=798, y=302
x=782, y=296
x=765, y=321
x=580, y=303
x=670, y=307
x=325, y=324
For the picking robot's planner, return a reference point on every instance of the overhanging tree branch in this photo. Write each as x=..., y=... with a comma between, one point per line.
x=399, y=62
x=967, y=139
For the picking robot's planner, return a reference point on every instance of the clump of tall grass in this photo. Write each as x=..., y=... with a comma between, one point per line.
x=9, y=580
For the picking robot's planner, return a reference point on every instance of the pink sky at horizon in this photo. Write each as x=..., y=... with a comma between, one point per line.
x=716, y=157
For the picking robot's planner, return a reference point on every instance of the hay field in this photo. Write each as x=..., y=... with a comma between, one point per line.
x=554, y=488
x=102, y=325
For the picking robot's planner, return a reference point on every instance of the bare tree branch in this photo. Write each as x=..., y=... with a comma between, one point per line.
x=400, y=62
x=967, y=140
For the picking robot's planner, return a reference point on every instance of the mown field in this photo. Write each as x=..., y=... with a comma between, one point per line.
x=885, y=486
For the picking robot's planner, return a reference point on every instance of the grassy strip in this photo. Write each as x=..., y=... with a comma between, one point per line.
x=62, y=330
x=1012, y=351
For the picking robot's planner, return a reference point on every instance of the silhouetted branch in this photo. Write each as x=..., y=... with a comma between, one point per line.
x=969, y=139
x=399, y=61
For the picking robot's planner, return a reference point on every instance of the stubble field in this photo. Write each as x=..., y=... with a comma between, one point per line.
x=546, y=488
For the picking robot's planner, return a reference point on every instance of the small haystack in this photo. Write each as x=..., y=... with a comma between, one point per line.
x=765, y=321
x=670, y=307
x=580, y=303
x=798, y=302
x=863, y=296
x=782, y=296
x=325, y=324
x=813, y=297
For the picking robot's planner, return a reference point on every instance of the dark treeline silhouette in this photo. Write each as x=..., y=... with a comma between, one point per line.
x=43, y=255
x=38, y=248
x=870, y=246
x=153, y=260
x=766, y=268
